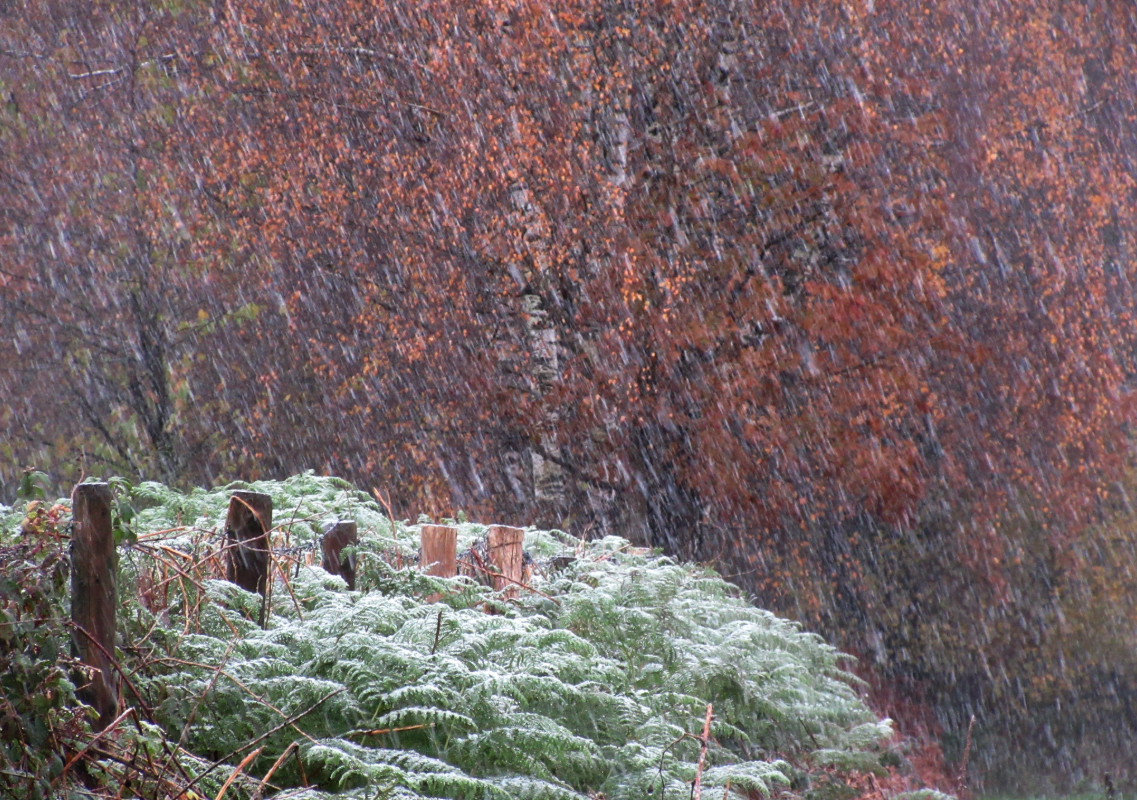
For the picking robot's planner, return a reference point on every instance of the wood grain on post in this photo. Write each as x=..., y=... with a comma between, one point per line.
x=439, y=553
x=440, y=550
x=94, y=595
x=337, y=536
x=506, y=557
x=246, y=539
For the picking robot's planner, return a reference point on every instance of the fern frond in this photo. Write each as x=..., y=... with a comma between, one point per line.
x=604, y=693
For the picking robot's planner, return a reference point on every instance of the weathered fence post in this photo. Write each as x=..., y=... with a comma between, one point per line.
x=438, y=553
x=439, y=550
x=94, y=595
x=507, y=557
x=338, y=535
x=246, y=539
x=562, y=562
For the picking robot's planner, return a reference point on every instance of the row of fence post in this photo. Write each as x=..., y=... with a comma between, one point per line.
x=94, y=590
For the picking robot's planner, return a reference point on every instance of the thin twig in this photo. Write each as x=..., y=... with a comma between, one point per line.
x=800, y=108
x=287, y=585
x=116, y=70
x=132, y=765
x=607, y=556
x=218, y=671
x=265, y=735
x=386, y=504
x=122, y=673
x=497, y=574
x=264, y=781
x=698, y=788
x=155, y=534
x=437, y=631
x=966, y=753
x=169, y=564
x=390, y=730
x=809, y=733
x=241, y=685
x=1085, y=111
x=90, y=744
x=875, y=785
x=240, y=768
x=662, y=755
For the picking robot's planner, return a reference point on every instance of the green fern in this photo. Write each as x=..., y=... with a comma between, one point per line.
x=597, y=684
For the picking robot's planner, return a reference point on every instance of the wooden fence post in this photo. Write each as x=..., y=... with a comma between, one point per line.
x=507, y=558
x=338, y=535
x=246, y=538
x=438, y=553
x=439, y=550
x=94, y=596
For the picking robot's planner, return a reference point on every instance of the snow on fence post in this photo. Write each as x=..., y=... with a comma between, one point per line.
x=246, y=540
x=438, y=553
x=506, y=558
x=439, y=550
x=94, y=596
x=338, y=535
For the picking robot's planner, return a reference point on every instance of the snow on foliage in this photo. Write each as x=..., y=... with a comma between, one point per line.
x=594, y=683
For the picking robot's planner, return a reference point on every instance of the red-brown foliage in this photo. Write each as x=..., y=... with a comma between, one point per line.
x=775, y=283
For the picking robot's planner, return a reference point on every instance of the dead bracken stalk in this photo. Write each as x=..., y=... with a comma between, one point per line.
x=480, y=566
x=219, y=672
x=287, y=585
x=662, y=756
x=117, y=667
x=381, y=731
x=292, y=748
x=437, y=631
x=697, y=789
x=265, y=735
x=233, y=775
x=71, y=762
x=386, y=503
x=876, y=786
x=966, y=753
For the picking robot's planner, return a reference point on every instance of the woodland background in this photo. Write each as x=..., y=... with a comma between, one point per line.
x=835, y=294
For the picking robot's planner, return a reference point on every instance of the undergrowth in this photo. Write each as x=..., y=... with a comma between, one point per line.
x=591, y=682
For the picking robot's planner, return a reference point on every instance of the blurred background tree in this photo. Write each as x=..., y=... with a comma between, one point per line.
x=835, y=294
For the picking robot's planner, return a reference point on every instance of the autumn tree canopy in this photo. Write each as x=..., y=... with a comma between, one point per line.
x=782, y=284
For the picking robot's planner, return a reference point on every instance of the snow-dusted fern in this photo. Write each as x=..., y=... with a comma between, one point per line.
x=594, y=684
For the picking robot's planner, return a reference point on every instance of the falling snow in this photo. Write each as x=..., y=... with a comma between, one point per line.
x=833, y=294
